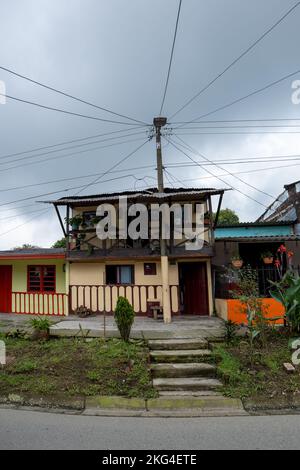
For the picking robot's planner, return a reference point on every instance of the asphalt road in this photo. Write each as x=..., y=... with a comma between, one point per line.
x=21, y=429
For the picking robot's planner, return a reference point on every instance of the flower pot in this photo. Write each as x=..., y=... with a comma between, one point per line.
x=268, y=260
x=75, y=226
x=237, y=263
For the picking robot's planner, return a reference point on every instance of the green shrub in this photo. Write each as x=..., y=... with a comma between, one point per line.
x=41, y=324
x=124, y=317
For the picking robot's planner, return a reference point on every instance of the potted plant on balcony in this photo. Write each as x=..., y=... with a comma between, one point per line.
x=95, y=220
x=267, y=257
x=75, y=222
x=237, y=261
x=206, y=218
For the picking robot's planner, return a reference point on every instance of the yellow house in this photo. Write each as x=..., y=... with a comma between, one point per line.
x=171, y=274
x=33, y=281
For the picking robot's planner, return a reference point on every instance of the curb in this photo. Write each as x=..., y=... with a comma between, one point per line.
x=129, y=407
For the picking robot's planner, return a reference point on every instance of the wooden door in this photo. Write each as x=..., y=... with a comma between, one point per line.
x=194, y=289
x=5, y=289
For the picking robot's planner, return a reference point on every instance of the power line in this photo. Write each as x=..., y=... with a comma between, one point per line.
x=234, y=121
x=66, y=142
x=171, y=58
x=69, y=154
x=68, y=95
x=72, y=147
x=215, y=176
x=233, y=161
x=238, y=133
x=237, y=59
x=25, y=223
x=257, y=170
x=59, y=110
x=19, y=215
x=229, y=173
x=253, y=93
x=275, y=126
x=114, y=166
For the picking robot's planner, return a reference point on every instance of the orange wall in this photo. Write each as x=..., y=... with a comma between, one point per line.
x=275, y=309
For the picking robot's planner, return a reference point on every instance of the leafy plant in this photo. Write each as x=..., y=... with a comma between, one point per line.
x=236, y=257
x=75, y=221
x=124, y=317
x=16, y=334
x=40, y=324
x=231, y=328
x=247, y=292
x=266, y=254
x=287, y=292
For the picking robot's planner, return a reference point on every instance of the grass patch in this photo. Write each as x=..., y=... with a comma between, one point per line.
x=75, y=367
x=266, y=377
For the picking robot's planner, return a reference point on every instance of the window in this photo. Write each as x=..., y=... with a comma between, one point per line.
x=119, y=274
x=41, y=279
x=88, y=216
x=150, y=269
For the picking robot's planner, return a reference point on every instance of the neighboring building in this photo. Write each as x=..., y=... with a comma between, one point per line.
x=286, y=208
x=98, y=271
x=278, y=225
x=33, y=281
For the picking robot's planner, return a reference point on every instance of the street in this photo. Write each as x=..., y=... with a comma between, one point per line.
x=21, y=429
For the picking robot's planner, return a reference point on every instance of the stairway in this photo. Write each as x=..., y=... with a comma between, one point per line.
x=182, y=367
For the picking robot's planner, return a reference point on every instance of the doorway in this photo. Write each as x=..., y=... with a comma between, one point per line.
x=5, y=289
x=193, y=289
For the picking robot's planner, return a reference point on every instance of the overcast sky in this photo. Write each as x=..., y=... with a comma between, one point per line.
x=115, y=54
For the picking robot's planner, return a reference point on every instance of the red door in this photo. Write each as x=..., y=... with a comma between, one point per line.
x=194, y=289
x=5, y=288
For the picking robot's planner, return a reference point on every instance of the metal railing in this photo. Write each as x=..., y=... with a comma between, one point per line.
x=226, y=281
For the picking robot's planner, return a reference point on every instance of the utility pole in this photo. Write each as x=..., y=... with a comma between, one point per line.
x=158, y=123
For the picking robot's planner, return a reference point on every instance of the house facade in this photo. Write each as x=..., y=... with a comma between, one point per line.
x=277, y=227
x=99, y=270
x=33, y=281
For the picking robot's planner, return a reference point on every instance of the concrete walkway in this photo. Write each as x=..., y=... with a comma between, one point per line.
x=201, y=327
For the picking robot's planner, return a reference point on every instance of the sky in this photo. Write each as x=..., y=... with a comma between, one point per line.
x=115, y=54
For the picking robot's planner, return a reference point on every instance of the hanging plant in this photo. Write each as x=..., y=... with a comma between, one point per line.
x=237, y=262
x=267, y=257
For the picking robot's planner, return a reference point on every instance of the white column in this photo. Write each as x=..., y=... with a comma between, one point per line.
x=166, y=289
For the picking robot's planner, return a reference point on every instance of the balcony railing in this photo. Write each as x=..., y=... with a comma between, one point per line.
x=103, y=298
x=226, y=281
x=40, y=303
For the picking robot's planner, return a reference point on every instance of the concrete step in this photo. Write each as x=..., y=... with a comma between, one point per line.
x=184, y=355
x=177, y=344
x=192, y=369
x=185, y=384
x=190, y=393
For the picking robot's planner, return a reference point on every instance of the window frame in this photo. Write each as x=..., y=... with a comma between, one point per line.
x=41, y=268
x=118, y=276
x=153, y=271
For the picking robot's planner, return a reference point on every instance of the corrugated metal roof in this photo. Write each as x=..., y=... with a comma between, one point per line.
x=147, y=195
x=32, y=252
x=258, y=224
x=275, y=238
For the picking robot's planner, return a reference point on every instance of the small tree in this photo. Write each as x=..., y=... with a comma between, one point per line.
x=227, y=217
x=247, y=292
x=62, y=243
x=124, y=317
